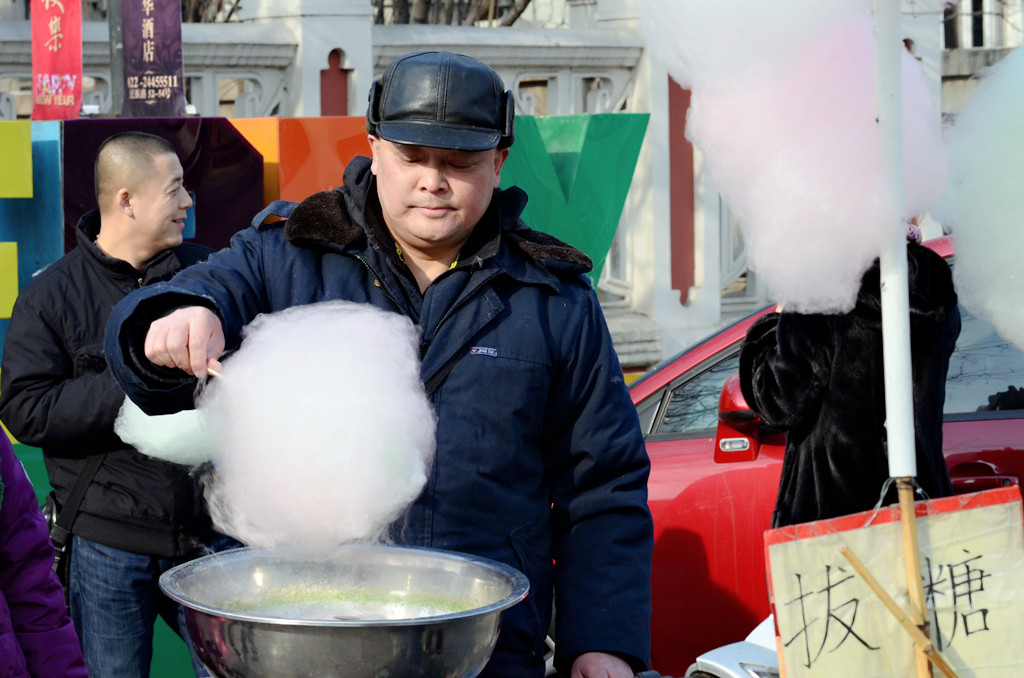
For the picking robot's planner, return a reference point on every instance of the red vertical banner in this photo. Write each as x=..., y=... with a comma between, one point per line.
x=154, y=82
x=56, y=59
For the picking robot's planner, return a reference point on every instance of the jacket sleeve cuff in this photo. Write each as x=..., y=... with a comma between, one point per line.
x=155, y=389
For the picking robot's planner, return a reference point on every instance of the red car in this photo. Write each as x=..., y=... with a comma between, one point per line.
x=715, y=473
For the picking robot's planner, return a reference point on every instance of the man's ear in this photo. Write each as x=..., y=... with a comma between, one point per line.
x=374, y=140
x=123, y=200
x=499, y=160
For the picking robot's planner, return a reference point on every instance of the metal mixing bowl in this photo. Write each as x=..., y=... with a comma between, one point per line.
x=351, y=611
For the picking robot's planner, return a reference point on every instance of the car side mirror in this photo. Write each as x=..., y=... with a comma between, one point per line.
x=739, y=427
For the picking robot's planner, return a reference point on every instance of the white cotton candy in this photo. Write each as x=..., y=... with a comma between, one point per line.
x=706, y=45
x=986, y=201
x=786, y=123
x=327, y=435
x=182, y=438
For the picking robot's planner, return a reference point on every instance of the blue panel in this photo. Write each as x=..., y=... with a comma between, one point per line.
x=189, y=231
x=36, y=223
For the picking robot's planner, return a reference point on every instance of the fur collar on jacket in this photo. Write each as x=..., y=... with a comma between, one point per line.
x=932, y=295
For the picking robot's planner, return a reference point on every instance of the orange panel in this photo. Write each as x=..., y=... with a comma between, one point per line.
x=263, y=134
x=304, y=155
x=315, y=151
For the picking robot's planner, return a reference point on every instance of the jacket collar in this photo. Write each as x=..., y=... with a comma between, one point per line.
x=931, y=291
x=340, y=217
x=89, y=227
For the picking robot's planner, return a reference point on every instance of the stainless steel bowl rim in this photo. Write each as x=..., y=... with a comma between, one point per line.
x=519, y=583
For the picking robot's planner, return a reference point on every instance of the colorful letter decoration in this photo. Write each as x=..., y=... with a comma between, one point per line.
x=577, y=170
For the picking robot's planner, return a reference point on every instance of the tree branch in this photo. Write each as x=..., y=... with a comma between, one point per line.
x=517, y=9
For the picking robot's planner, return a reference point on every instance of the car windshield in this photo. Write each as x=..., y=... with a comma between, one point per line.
x=986, y=372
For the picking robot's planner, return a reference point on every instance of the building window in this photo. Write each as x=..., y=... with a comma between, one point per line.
x=977, y=23
x=950, y=34
x=533, y=96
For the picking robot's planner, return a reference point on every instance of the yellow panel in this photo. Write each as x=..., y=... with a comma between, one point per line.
x=263, y=134
x=632, y=375
x=8, y=291
x=8, y=277
x=16, y=168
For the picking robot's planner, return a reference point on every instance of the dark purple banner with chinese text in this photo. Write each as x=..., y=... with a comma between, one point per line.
x=154, y=83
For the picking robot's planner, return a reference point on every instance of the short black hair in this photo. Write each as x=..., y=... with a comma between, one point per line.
x=123, y=149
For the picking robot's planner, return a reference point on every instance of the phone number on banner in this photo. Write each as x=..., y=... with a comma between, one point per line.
x=151, y=81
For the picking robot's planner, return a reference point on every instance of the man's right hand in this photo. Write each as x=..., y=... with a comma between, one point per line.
x=190, y=339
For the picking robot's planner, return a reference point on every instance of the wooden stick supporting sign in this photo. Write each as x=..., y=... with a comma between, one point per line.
x=907, y=621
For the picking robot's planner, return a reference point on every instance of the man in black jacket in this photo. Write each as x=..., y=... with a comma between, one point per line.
x=139, y=515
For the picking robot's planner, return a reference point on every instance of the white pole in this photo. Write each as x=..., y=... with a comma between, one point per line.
x=899, y=406
x=899, y=402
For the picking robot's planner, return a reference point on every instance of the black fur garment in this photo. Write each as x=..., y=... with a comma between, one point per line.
x=820, y=379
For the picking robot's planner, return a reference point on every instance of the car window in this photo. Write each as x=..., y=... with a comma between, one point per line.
x=986, y=372
x=693, y=405
x=646, y=411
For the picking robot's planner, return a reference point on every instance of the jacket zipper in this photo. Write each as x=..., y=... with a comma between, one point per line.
x=451, y=311
x=379, y=283
x=424, y=345
x=448, y=314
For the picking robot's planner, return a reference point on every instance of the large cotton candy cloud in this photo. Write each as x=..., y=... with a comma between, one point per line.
x=325, y=432
x=986, y=201
x=710, y=45
x=786, y=122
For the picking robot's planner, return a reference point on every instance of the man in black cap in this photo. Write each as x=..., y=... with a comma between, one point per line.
x=540, y=461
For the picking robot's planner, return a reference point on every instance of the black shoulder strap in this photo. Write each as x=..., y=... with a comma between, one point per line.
x=61, y=529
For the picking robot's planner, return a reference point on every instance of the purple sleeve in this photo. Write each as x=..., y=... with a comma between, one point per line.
x=35, y=618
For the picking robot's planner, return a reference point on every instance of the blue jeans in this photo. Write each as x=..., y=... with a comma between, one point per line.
x=114, y=598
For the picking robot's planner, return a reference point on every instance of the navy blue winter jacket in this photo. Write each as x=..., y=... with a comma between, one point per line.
x=540, y=460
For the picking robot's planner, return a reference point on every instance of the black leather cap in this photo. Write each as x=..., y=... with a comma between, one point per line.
x=441, y=99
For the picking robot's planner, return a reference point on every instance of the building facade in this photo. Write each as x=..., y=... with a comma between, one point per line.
x=677, y=269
